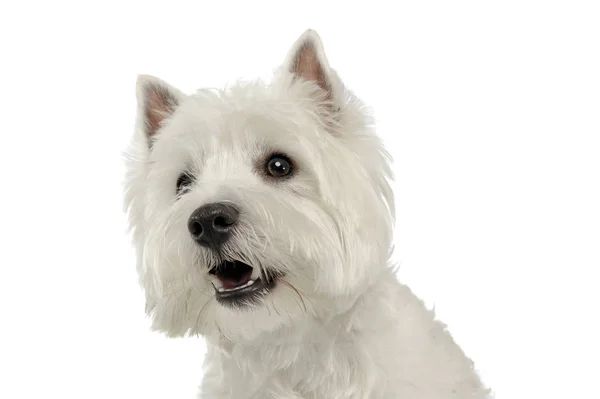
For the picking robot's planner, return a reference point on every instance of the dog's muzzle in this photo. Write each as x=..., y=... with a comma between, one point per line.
x=236, y=283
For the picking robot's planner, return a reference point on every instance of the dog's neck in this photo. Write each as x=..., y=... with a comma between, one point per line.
x=316, y=345
x=321, y=330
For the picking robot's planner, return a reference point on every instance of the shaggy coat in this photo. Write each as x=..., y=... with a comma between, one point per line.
x=335, y=323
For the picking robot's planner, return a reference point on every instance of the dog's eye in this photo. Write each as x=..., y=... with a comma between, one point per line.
x=279, y=166
x=183, y=182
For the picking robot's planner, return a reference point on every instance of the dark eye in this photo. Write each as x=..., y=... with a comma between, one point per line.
x=279, y=166
x=183, y=182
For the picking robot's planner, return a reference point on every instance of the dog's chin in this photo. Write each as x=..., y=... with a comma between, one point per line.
x=238, y=285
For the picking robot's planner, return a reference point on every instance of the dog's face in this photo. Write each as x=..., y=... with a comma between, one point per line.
x=257, y=207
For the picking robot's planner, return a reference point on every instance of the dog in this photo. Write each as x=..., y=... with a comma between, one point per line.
x=262, y=217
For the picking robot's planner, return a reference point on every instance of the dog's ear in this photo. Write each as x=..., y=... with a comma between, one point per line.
x=157, y=100
x=306, y=59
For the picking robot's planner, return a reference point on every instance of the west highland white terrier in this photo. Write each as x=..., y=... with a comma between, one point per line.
x=262, y=217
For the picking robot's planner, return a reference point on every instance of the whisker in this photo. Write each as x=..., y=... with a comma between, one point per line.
x=297, y=293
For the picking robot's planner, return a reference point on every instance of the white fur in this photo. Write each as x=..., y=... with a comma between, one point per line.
x=340, y=325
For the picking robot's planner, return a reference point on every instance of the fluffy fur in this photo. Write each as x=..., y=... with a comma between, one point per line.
x=338, y=325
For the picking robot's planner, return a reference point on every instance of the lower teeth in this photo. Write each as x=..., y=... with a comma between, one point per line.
x=248, y=284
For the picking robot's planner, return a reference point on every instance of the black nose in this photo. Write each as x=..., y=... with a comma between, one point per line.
x=211, y=224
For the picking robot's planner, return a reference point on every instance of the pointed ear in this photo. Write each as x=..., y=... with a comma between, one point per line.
x=157, y=100
x=306, y=59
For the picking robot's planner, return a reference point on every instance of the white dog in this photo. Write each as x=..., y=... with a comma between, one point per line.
x=262, y=217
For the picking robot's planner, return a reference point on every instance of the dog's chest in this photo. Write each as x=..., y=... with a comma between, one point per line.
x=330, y=366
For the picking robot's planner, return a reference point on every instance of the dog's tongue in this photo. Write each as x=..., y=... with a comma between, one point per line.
x=229, y=282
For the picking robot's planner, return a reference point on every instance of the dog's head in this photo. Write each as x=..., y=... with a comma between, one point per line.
x=259, y=206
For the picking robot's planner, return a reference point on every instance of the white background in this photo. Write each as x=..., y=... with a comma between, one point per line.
x=490, y=109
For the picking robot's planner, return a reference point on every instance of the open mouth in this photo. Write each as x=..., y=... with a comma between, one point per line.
x=238, y=284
